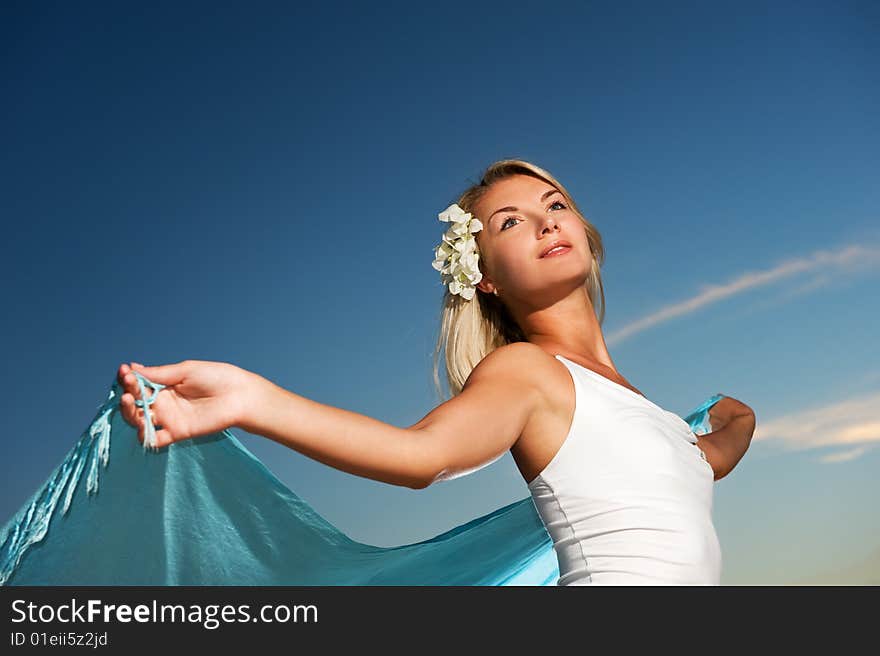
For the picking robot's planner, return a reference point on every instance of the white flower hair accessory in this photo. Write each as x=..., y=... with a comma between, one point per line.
x=457, y=258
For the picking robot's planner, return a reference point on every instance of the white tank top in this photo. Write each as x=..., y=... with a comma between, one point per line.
x=627, y=499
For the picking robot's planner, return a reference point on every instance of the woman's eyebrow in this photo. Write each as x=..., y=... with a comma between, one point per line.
x=510, y=208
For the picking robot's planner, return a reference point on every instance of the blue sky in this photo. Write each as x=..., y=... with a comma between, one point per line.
x=260, y=185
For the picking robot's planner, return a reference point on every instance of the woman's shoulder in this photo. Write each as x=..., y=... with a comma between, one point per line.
x=549, y=424
x=519, y=355
x=526, y=362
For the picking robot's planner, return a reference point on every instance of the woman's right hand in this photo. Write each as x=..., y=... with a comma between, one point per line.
x=724, y=410
x=199, y=397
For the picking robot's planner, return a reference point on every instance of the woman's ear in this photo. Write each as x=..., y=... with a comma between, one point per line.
x=486, y=285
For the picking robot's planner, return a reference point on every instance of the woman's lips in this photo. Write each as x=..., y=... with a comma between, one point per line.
x=559, y=250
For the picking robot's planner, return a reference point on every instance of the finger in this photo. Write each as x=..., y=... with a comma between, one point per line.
x=129, y=383
x=123, y=369
x=126, y=403
x=154, y=417
x=136, y=413
x=133, y=386
x=166, y=374
x=129, y=410
x=142, y=432
x=163, y=438
x=161, y=435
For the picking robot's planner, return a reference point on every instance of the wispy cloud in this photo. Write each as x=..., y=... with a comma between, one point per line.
x=853, y=424
x=827, y=263
x=843, y=456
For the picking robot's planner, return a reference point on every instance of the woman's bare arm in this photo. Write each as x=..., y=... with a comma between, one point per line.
x=482, y=423
x=345, y=440
x=460, y=435
x=727, y=444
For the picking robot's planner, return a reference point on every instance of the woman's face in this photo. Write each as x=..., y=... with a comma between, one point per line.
x=521, y=216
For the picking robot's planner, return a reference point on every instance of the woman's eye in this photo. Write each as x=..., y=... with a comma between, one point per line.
x=513, y=218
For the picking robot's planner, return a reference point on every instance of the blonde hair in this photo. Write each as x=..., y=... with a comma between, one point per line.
x=470, y=330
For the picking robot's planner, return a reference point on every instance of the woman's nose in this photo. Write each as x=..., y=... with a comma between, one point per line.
x=549, y=223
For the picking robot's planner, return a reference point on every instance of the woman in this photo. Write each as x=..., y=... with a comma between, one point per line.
x=623, y=487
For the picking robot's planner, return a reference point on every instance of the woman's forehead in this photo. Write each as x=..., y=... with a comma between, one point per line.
x=517, y=184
